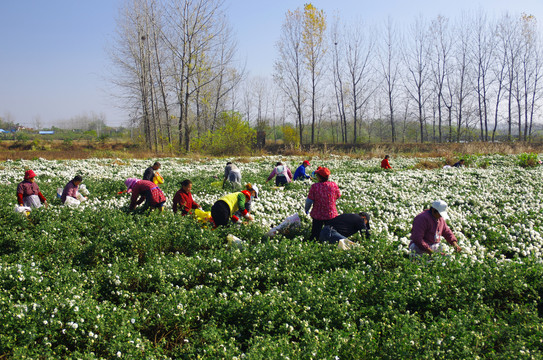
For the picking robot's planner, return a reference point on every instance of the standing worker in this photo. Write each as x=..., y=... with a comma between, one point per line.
x=322, y=196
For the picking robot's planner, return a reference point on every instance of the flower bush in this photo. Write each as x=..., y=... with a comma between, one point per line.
x=98, y=281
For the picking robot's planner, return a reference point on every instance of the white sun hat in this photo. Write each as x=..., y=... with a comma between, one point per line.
x=441, y=207
x=255, y=188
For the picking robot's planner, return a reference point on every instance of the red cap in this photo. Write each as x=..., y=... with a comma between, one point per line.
x=29, y=174
x=306, y=163
x=323, y=172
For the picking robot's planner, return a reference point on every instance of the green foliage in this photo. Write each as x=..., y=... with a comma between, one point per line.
x=101, y=282
x=235, y=137
x=290, y=135
x=528, y=160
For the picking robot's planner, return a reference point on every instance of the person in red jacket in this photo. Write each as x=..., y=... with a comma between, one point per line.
x=183, y=198
x=145, y=190
x=28, y=192
x=385, y=164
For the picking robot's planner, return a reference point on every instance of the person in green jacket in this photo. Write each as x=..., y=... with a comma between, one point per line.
x=225, y=208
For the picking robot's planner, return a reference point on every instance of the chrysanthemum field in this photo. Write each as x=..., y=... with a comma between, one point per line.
x=98, y=281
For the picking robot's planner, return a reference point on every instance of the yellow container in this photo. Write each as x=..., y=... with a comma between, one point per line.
x=158, y=179
x=202, y=216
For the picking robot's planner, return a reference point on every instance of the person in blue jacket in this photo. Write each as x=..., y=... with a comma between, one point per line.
x=300, y=174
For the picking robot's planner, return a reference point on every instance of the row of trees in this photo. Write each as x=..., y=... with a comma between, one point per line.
x=452, y=78
x=442, y=80
x=174, y=61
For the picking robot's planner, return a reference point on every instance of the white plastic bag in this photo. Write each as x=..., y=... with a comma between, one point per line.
x=83, y=189
x=59, y=192
x=80, y=197
x=235, y=242
x=346, y=244
x=291, y=222
x=71, y=202
x=22, y=209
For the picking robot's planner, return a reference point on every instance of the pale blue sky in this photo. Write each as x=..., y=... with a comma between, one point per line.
x=54, y=64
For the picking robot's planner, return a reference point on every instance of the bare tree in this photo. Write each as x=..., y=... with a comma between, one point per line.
x=416, y=59
x=359, y=51
x=442, y=44
x=462, y=74
x=313, y=49
x=338, y=66
x=289, y=66
x=483, y=56
x=197, y=30
x=390, y=69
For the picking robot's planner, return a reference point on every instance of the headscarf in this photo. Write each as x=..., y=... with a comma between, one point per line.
x=323, y=172
x=29, y=174
x=130, y=182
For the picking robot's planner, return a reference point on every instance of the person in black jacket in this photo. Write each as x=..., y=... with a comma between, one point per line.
x=149, y=173
x=344, y=226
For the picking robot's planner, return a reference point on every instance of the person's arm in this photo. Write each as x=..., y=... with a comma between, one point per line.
x=141, y=199
x=176, y=199
x=20, y=198
x=449, y=236
x=271, y=175
x=305, y=174
x=42, y=198
x=195, y=205
x=310, y=198
x=289, y=173
x=226, y=173
x=308, y=204
x=133, y=199
x=417, y=234
x=242, y=209
x=338, y=192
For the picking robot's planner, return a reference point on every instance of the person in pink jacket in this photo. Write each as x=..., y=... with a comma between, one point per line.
x=428, y=228
x=322, y=196
x=282, y=174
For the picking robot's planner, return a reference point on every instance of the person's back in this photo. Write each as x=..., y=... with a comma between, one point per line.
x=324, y=196
x=347, y=224
x=149, y=174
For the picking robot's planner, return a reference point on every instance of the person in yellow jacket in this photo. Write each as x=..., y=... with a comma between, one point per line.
x=225, y=208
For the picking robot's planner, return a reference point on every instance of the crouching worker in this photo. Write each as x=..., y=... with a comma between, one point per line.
x=145, y=190
x=226, y=207
x=344, y=226
x=183, y=199
x=71, y=190
x=28, y=192
x=428, y=227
